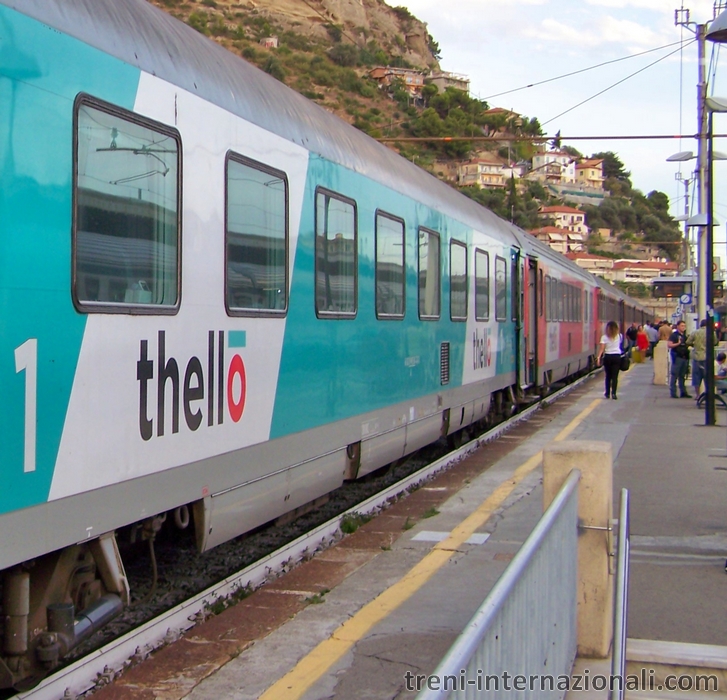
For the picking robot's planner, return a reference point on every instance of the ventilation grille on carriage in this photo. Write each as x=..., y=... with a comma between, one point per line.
x=444, y=363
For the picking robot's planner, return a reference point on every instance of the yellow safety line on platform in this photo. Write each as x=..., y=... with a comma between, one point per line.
x=310, y=668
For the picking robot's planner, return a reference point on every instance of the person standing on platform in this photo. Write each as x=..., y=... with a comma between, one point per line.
x=653, y=335
x=720, y=373
x=610, y=350
x=642, y=344
x=679, y=361
x=631, y=332
x=698, y=341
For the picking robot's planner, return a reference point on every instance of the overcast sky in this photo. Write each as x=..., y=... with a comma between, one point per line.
x=506, y=44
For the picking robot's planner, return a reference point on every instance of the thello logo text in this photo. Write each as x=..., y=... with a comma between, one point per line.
x=202, y=392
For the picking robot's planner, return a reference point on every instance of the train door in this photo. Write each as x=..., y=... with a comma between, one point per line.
x=518, y=297
x=531, y=322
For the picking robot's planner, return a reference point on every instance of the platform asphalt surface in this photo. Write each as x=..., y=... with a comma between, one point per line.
x=677, y=476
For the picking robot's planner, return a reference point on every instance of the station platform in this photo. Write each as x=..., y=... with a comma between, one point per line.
x=363, y=618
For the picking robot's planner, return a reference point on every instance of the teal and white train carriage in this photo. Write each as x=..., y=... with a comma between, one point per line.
x=217, y=303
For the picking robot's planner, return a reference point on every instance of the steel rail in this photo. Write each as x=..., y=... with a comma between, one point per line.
x=102, y=665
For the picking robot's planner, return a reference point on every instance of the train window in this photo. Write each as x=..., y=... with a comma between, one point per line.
x=256, y=235
x=429, y=275
x=390, y=276
x=126, y=246
x=585, y=305
x=482, y=285
x=336, y=255
x=457, y=281
x=500, y=289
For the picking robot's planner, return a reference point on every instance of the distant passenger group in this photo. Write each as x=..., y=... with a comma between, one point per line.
x=616, y=351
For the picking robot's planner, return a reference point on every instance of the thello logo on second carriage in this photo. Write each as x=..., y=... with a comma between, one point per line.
x=206, y=390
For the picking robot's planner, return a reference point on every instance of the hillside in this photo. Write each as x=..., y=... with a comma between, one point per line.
x=325, y=47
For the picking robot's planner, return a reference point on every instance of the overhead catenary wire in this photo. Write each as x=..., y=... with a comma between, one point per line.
x=539, y=139
x=584, y=70
x=623, y=80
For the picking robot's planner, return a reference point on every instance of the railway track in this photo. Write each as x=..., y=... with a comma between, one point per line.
x=102, y=660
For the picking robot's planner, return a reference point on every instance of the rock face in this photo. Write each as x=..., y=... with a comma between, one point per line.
x=395, y=30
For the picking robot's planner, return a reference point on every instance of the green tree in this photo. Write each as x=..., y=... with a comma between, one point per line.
x=344, y=54
x=613, y=166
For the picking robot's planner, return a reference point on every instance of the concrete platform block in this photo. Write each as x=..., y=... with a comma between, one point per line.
x=595, y=582
x=661, y=363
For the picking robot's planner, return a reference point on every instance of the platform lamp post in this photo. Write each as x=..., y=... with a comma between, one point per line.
x=707, y=106
x=706, y=220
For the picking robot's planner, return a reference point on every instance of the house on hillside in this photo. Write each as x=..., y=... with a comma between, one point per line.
x=444, y=80
x=385, y=75
x=487, y=170
x=596, y=264
x=568, y=218
x=553, y=167
x=559, y=239
x=508, y=115
x=589, y=174
x=643, y=270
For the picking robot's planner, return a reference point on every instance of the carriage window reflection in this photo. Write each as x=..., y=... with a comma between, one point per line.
x=458, y=281
x=500, y=289
x=257, y=233
x=390, y=274
x=482, y=285
x=429, y=275
x=126, y=236
x=336, y=236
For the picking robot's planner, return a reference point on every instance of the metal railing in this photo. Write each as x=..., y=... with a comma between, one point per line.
x=621, y=607
x=526, y=627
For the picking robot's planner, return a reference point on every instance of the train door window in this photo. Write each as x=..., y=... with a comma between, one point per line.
x=516, y=286
x=561, y=301
x=500, y=289
x=457, y=281
x=541, y=293
x=585, y=305
x=256, y=267
x=336, y=255
x=571, y=303
x=126, y=217
x=566, y=302
x=429, y=275
x=390, y=276
x=547, y=297
x=482, y=285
